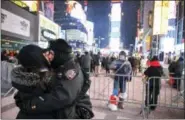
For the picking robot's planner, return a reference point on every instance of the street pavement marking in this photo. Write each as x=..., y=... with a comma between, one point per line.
x=99, y=115
x=111, y=117
x=120, y=117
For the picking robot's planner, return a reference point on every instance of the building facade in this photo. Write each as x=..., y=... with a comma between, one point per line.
x=144, y=28
x=180, y=25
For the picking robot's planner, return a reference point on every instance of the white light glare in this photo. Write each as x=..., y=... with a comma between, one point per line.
x=114, y=43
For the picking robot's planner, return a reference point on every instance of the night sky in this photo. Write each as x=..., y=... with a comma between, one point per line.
x=98, y=13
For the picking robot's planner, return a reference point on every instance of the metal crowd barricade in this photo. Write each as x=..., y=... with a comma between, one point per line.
x=6, y=87
x=102, y=88
x=137, y=92
x=168, y=97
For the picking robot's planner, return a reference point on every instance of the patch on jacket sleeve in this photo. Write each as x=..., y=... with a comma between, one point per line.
x=70, y=74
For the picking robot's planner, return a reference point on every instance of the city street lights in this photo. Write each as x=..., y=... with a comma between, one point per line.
x=99, y=40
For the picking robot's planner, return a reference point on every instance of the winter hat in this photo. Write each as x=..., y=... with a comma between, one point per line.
x=62, y=51
x=31, y=56
x=122, y=53
x=60, y=45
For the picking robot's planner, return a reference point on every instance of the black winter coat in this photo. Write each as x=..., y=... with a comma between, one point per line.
x=28, y=88
x=155, y=70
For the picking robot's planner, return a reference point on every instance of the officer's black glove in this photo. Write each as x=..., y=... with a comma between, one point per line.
x=18, y=100
x=84, y=113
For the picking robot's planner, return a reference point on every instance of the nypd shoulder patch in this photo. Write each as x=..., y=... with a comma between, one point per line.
x=70, y=74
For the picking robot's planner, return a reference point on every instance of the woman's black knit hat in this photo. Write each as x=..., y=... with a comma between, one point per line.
x=60, y=45
x=31, y=56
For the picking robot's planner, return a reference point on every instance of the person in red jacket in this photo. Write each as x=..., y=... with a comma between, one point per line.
x=153, y=73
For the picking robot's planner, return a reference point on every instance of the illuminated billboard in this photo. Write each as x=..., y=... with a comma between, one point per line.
x=90, y=32
x=116, y=1
x=172, y=10
x=114, y=43
x=48, y=31
x=74, y=9
x=74, y=34
x=116, y=12
x=49, y=9
x=25, y=3
x=160, y=25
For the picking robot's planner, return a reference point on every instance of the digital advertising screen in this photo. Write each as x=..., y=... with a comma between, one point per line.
x=90, y=32
x=75, y=9
x=114, y=43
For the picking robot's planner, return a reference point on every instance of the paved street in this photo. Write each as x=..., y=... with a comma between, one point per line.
x=101, y=89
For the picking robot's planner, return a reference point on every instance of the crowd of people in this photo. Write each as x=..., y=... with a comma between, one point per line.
x=10, y=56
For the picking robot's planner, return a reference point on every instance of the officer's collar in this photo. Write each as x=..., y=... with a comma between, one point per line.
x=65, y=64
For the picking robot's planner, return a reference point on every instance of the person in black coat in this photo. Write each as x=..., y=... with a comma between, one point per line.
x=92, y=62
x=31, y=79
x=67, y=98
x=176, y=69
x=153, y=86
x=107, y=64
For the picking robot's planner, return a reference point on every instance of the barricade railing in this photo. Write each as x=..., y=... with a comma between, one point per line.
x=137, y=91
x=6, y=86
x=102, y=87
x=159, y=93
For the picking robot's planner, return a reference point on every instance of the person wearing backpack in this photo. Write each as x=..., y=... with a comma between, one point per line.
x=122, y=69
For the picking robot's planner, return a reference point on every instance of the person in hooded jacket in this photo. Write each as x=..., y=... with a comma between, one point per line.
x=67, y=98
x=153, y=86
x=123, y=68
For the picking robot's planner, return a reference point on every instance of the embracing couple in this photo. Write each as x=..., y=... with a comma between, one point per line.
x=50, y=84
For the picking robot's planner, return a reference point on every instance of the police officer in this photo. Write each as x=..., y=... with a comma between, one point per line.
x=68, y=98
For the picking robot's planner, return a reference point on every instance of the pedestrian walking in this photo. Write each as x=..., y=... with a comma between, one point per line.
x=97, y=60
x=86, y=60
x=92, y=62
x=107, y=64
